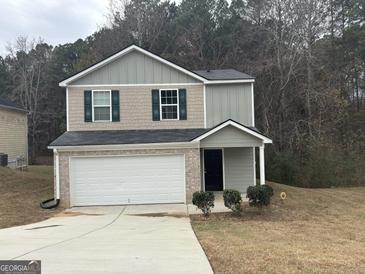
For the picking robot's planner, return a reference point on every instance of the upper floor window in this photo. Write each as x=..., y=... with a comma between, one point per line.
x=169, y=104
x=101, y=105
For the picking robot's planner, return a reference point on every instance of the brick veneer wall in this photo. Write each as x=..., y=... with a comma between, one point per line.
x=192, y=168
x=136, y=109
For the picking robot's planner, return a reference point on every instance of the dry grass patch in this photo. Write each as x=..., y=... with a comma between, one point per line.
x=21, y=193
x=312, y=231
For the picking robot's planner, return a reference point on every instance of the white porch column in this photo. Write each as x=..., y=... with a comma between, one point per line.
x=262, y=164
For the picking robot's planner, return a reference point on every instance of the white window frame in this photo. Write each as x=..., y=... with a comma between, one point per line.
x=110, y=104
x=177, y=104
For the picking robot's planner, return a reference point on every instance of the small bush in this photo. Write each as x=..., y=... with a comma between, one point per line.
x=204, y=201
x=259, y=196
x=232, y=200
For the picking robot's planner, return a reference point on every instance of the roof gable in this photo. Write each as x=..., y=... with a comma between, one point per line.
x=230, y=123
x=147, y=68
x=133, y=65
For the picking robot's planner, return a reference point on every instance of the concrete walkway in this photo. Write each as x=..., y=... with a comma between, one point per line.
x=115, y=239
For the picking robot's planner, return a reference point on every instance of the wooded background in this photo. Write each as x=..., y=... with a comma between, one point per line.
x=308, y=57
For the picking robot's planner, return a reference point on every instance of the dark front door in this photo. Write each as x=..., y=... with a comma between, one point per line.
x=213, y=170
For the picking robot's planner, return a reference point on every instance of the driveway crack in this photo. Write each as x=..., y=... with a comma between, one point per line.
x=73, y=238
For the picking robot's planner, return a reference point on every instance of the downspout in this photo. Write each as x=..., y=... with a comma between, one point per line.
x=54, y=202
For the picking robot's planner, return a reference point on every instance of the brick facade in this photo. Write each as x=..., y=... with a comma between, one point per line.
x=192, y=167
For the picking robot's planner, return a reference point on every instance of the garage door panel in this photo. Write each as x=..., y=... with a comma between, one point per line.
x=127, y=180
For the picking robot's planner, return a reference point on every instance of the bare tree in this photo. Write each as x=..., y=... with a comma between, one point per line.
x=28, y=69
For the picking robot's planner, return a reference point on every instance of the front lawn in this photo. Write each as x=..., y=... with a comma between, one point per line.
x=312, y=231
x=20, y=195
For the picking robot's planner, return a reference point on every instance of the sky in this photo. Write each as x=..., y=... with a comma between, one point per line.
x=56, y=21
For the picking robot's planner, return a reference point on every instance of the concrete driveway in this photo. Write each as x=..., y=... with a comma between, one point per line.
x=115, y=239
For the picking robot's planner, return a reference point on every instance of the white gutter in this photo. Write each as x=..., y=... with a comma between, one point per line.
x=55, y=153
x=189, y=144
x=210, y=82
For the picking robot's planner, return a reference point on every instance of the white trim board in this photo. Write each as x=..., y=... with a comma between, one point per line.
x=67, y=112
x=253, y=106
x=136, y=85
x=205, y=105
x=236, y=125
x=223, y=169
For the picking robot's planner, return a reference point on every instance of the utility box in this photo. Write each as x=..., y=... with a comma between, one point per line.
x=3, y=159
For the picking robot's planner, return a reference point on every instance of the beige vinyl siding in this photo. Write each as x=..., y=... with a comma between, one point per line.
x=229, y=101
x=239, y=168
x=136, y=109
x=230, y=137
x=13, y=133
x=134, y=68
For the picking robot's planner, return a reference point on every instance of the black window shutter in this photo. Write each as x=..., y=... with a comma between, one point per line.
x=115, y=106
x=155, y=105
x=88, y=111
x=182, y=104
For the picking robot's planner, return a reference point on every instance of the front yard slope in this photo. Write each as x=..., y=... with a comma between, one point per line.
x=312, y=231
x=20, y=195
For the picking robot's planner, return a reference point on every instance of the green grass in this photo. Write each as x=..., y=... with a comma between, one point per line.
x=312, y=231
x=21, y=193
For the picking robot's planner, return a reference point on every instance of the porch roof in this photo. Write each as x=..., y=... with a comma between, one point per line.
x=152, y=136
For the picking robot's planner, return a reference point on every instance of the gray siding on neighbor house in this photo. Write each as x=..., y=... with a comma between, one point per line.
x=134, y=68
x=239, y=168
x=229, y=101
x=230, y=137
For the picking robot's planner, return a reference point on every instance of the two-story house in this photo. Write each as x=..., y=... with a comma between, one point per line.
x=143, y=130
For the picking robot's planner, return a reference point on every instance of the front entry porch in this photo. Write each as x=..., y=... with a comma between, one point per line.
x=230, y=168
x=227, y=155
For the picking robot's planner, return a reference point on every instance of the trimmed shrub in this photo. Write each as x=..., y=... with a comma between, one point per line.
x=204, y=201
x=232, y=199
x=259, y=196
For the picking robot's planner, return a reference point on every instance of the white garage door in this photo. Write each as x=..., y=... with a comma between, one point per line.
x=127, y=180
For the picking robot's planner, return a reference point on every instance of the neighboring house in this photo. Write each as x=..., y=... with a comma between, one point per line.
x=13, y=133
x=143, y=130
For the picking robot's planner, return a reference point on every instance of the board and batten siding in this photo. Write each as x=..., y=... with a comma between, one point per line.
x=230, y=137
x=239, y=168
x=136, y=109
x=13, y=134
x=134, y=68
x=229, y=101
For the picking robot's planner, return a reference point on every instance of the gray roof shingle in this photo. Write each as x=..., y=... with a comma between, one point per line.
x=223, y=74
x=123, y=137
x=11, y=105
